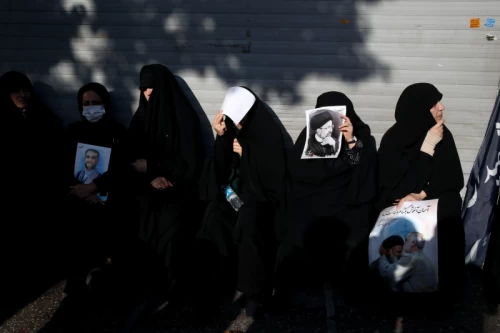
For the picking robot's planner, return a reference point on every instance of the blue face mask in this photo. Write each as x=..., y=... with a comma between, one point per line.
x=93, y=113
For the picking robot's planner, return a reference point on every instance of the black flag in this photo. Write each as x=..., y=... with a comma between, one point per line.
x=482, y=193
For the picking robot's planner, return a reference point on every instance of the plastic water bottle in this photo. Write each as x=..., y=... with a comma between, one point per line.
x=232, y=198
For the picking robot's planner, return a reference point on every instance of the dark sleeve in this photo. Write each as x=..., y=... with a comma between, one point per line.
x=400, y=176
x=118, y=166
x=223, y=158
x=447, y=174
x=55, y=135
x=363, y=185
x=263, y=171
x=217, y=168
x=424, y=170
x=354, y=154
x=185, y=163
x=68, y=157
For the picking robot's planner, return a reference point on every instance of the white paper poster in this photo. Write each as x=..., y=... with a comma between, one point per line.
x=324, y=138
x=403, y=248
x=237, y=103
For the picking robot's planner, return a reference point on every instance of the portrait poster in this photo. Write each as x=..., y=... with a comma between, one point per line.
x=324, y=138
x=403, y=247
x=91, y=162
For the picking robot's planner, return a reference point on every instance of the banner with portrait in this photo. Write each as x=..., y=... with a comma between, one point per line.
x=403, y=247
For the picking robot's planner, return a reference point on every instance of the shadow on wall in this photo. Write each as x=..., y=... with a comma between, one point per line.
x=270, y=46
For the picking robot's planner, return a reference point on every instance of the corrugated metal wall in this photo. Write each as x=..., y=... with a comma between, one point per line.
x=289, y=52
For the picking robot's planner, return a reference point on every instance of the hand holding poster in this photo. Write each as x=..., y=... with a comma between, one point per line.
x=91, y=162
x=237, y=103
x=403, y=248
x=324, y=138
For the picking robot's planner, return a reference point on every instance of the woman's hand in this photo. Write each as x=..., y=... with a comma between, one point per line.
x=411, y=197
x=438, y=128
x=160, y=183
x=237, y=148
x=83, y=190
x=94, y=199
x=140, y=165
x=219, y=125
x=347, y=129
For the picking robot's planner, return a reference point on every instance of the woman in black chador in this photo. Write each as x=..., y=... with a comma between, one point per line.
x=92, y=230
x=164, y=148
x=250, y=158
x=418, y=160
x=33, y=188
x=329, y=202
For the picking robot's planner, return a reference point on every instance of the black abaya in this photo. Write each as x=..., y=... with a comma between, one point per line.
x=331, y=199
x=165, y=131
x=260, y=177
x=95, y=230
x=405, y=169
x=33, y=187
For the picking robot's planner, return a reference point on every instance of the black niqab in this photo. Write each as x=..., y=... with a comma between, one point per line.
x=166, y=129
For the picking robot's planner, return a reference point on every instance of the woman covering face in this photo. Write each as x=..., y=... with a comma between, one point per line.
x=248, y=156
x=165, y=150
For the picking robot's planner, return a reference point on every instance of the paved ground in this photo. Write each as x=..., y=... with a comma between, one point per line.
x=50, y=313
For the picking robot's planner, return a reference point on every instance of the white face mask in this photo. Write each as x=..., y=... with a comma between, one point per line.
x=93, y=113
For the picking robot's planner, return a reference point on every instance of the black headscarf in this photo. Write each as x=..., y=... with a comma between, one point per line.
x=100, y=90
x=262, y=165
x=12, y=82
x=400, y=158
x=166, y=129
x=24, y=130
x=317, y=175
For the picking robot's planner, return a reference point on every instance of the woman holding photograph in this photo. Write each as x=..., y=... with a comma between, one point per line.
x=250, y=158
x=419, y=161
x=91, y=228
x=164, y=148
x=330, y=199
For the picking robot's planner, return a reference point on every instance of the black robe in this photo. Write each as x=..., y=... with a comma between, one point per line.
x=165, y=131
x=331, y=199
x=261, y=178
x=405, y=169
x=33, y=189
x=95, y=229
